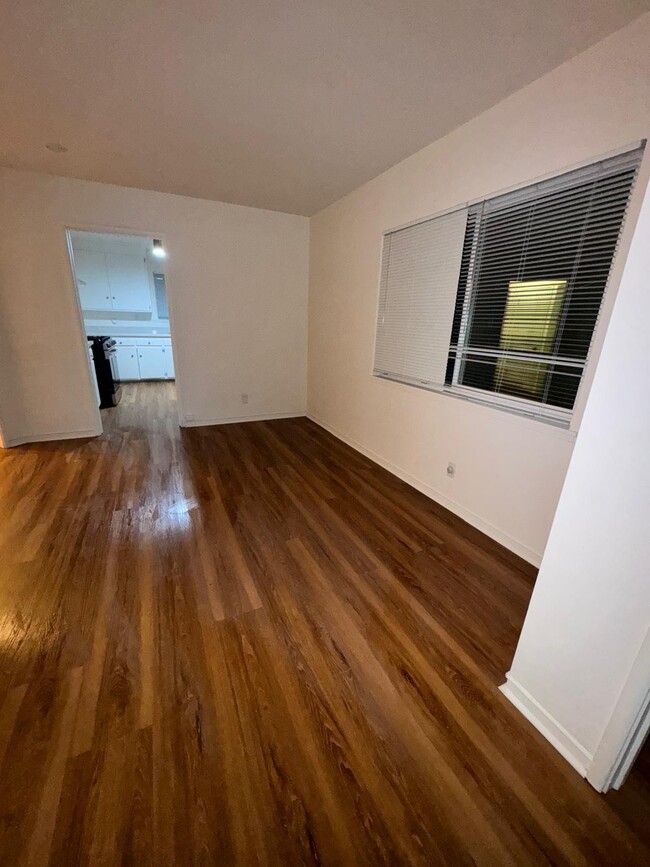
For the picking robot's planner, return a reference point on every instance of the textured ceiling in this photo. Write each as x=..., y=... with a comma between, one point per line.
x=282, y=104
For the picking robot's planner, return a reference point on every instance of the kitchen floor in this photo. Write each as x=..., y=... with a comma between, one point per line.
x=249, y=645
x=144, y=403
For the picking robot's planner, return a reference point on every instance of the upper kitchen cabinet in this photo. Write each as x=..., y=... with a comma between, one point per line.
x=92, y=279
x=112, y=273
x=128, y=279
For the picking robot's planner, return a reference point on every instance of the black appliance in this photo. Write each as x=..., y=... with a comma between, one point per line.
x=106, y=370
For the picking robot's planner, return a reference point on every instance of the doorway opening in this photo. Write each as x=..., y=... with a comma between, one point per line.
x=121, y=287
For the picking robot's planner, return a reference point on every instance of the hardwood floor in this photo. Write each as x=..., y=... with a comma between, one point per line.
x=250, y=645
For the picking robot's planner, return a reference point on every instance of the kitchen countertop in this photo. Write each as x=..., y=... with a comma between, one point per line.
x=122, y=332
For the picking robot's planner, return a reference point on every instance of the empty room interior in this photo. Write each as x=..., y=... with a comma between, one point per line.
x=324, y=433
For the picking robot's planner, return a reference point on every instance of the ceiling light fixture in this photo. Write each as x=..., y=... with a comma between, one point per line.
x=158, y=249
x=56, y=147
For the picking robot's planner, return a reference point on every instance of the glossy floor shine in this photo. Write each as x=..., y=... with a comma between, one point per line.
x=250, y=645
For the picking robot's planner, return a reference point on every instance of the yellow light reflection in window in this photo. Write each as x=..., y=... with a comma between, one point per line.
x=529, y=325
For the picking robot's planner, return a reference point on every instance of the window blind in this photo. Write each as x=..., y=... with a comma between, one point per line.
x=419, y=280
x=497, y=302
x=535, y=267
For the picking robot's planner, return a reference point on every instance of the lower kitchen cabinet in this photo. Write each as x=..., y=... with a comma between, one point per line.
x=170, y=373
x=144, y=359
x=127, y=362
x=155, y=362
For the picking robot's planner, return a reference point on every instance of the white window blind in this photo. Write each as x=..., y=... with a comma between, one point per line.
x=419, y=280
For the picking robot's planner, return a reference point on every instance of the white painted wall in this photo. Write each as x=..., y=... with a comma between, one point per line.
x=590, y=611
x=509, y=470
x=236, y=279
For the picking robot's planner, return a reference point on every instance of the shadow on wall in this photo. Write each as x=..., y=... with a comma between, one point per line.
x=11, y=420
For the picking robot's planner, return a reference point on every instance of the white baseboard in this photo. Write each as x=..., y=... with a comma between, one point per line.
x=235, y=419
x=575, y=754
x=52, y=437
x=484, y=526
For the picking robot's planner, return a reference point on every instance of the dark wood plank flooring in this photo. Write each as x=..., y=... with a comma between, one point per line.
x=249, y=645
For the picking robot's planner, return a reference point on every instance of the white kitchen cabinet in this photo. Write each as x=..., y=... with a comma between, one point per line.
x=92, y=280
x=153, y=341
x=112, y=281
x=152, y=362
x=155, y=362
x=127, y=362
x=144, y=358
x=128, y=281
x=169, y=362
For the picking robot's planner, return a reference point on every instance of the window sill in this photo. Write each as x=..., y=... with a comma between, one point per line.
x=560, y=428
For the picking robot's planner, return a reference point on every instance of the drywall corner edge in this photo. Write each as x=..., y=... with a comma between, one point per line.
x=568, y=747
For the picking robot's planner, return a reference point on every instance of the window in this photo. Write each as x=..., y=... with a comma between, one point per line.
x=498, y=302
x=161, y=296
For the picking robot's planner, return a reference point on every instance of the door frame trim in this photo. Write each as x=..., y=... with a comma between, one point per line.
x=100, y=229
x=628, y=726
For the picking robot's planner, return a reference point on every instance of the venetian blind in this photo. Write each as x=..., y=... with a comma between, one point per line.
x=419, y=279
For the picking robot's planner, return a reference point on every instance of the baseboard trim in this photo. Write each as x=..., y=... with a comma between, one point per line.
x=52, y=437
x=575, y=754
x=235, y=419
x=484, y=526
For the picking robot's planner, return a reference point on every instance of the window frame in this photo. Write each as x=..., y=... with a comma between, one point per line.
x=565, y=180
x=522, y=406
x=556, y=417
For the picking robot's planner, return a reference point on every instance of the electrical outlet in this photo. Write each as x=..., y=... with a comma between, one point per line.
x=451, y=470
x=244, y=398
x=189, y=416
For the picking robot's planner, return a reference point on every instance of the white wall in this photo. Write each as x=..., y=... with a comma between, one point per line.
x=509, y=470
x=590, y=611
x=236, y=279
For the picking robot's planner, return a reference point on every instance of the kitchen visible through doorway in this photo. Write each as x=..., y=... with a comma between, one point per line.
x=122, y=292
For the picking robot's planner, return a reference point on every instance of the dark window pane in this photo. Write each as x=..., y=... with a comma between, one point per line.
x=532, y=278
x=541, y=382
